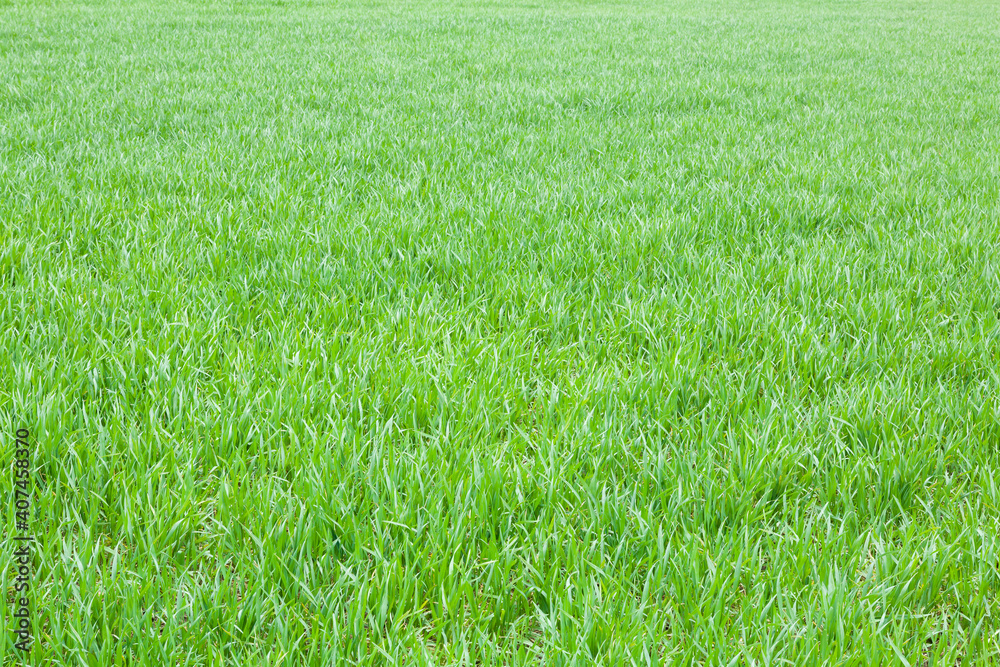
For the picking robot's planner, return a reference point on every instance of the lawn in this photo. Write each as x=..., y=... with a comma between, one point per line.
x=523, y=333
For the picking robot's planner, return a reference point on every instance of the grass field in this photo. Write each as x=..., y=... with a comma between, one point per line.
x=546, y=334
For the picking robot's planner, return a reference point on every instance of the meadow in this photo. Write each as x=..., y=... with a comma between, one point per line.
x=527, y=333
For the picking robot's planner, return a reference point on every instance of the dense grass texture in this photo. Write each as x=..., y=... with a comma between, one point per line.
x=529, y=333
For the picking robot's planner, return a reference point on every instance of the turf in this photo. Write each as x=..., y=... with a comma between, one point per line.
x=457, y=334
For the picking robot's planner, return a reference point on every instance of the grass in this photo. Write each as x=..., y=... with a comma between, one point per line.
x=547, y=334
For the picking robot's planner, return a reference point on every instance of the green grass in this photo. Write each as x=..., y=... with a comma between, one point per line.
x=553, y=334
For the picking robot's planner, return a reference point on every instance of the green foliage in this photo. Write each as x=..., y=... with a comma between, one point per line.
x=557, y=333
